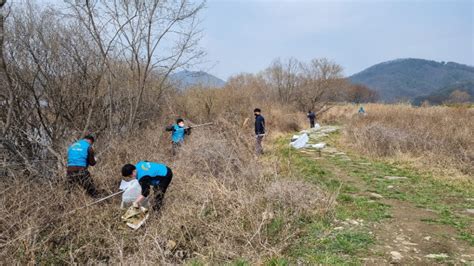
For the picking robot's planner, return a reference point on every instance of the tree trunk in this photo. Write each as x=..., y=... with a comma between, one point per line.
x=4, y=78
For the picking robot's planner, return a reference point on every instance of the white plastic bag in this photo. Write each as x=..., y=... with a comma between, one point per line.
x=300, y=142
x=131, y=193
x=295, y=137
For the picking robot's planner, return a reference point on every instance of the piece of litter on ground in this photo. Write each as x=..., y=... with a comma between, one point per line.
x=396, y=256
x=319, y=146
x=354, y=222
x=470, y=211
x=427, y=238
x=375, y=196
x=300, y=142
x=338, y=228
x=390, y=187
x=170, y=245
x=437, y=256
x=395, y=177
x=409, y=243
x=295, y=137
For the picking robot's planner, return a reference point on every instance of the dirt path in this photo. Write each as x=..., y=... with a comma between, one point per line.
x=411, y=235
x=415, y=240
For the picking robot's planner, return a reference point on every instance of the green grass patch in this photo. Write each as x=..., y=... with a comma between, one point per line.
x=361, y=208
x=322, y=246
x=422, y=189
x=239, y=262
x=274, y=227
x=277, y=262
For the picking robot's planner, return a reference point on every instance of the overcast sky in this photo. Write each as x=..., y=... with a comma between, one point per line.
x=245, y=35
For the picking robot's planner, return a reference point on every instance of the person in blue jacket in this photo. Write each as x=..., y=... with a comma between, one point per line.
x=179, y=131
x=80, y=156
x=149, y=174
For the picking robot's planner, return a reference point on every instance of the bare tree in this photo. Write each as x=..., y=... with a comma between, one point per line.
x=283, y=77
x=91, y=67
x=6, y=84
x=322, y=81
x=152, y=38
x=359, y=93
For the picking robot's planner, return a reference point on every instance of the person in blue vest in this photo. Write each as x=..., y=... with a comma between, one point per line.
x=80, y=156
x=149, y=174
x=179, y=131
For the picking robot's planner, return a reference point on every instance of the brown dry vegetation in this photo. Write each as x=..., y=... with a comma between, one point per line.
x=219, y=207
x=438, y=137
x=223, y=203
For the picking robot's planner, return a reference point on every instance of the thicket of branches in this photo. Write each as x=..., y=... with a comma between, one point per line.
x=92, y=66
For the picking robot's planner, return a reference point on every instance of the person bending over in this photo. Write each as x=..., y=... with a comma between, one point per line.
x=80, y=156
x=149, y=174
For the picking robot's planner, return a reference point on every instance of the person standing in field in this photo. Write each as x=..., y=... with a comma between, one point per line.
x=259, y=130
x=149, y=174
x=80, y=156
x=312, y=118
x=179, y=131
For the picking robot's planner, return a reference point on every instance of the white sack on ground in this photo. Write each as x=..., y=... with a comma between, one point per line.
x=300, y=142
x=295, y=137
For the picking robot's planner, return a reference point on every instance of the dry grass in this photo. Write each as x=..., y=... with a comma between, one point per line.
x=222, y=205
x=438, y=137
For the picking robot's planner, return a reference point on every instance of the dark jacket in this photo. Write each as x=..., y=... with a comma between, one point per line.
x=311, y=116
x=259, y=125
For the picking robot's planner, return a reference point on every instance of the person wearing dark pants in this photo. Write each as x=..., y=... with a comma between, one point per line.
x=312, y=118
x=259, y=130
x=149, y=174
x=179, y=131
x=79, y=156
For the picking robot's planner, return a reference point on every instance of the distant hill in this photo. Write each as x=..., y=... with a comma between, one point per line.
x=186, y=79
x=441, y=95
x=406, y=79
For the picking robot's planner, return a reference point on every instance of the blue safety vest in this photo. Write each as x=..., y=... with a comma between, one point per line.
x=178, y=134
x=77, y=153
x=151, y=169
